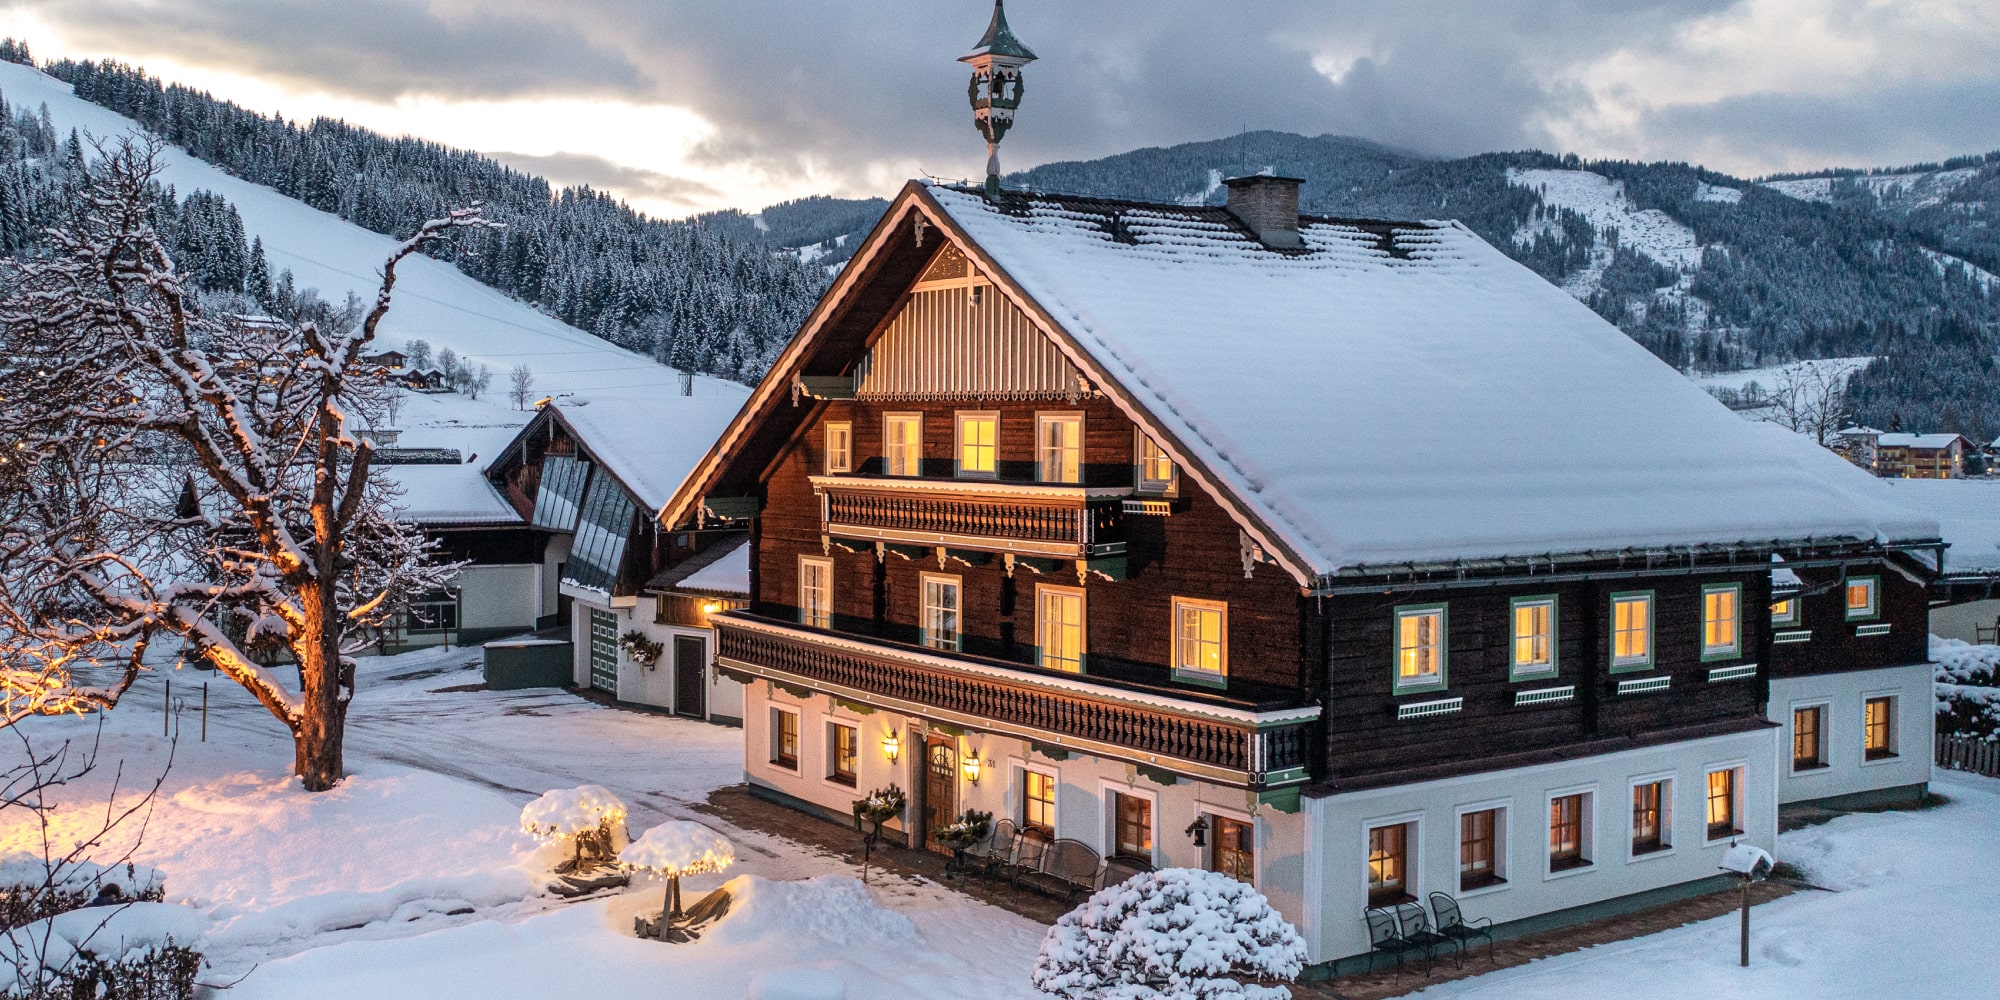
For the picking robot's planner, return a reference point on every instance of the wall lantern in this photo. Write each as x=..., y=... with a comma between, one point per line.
x=1197, y=831
x=891, y=745
x=971, y=767
x=710, y=607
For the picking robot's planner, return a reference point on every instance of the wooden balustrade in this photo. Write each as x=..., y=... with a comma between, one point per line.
x=1260, y=756
x=1055, y=528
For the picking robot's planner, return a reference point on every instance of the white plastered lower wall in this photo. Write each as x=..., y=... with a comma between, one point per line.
x=1842, y=696
x=499, y=596
x=1337, y=830
x=1083, y=785
x=653, y=685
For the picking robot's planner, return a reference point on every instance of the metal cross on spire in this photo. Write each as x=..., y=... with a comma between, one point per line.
x=995, y=90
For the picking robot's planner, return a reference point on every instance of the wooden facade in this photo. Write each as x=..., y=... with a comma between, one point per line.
x=903, y=335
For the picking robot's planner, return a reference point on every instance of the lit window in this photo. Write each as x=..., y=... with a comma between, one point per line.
x=1631, y=630
x=1650, y=818
x=940, y=612
x=1568, y=820
x=1388, y=864
x=1059, y=627
x=1235, y=848
x=1201, y=644
x=1785, y=612
x=903, y=444
x=1807, y=744
x=1879, y=728
x=1133, y=826
x=1862, y=598
x=1534, y=637
x=977, y=433
x=1479, y=855
x=816, y=592
x=785, y=738
x=844, y=749
x=839, y=447
x=1038, y=803
x=1059, y=452
x=1420, y=649
x=1156, y=470
x=1722, y=804
x=1720, y=637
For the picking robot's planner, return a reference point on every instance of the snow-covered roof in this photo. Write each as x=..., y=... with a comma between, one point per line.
x=438, y=495
x=1934, y=442
x=722, y=568
x=652, y=442
x=1858, y=432
x=1484, y=412
x=1967, y=512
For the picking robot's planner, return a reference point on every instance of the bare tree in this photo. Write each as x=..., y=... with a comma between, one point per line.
x=477, y=382
x=449, y=367
x=1810, y=397
x=520, y=382
x=178, y=474
x=417, y=353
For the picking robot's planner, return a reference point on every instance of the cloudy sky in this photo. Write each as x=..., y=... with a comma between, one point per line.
x=687, y=105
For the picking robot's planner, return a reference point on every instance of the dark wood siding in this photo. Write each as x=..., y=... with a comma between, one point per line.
x=1835, y=647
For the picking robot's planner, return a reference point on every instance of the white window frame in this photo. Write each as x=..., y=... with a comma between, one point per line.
x=1019, y=807
x=798, y=764
x=839, y=446
x=924, y=609
x=1413, y=849
x=1197, y=674
x=1586, y=831
x=1437, y=680
x=959, y=420
x=1895, y=754
x=1669, y=843
x=1042, y=422
x=833, y=754
x=806, y=617
x=1738, y=800
x=1516, y=670
x=890, y=445
x=1825, y=736
x=1082, y=625
x=1734, y=647
x=1109, y=831
x=1143, y=444
x=1503, y=844
x=1258, y=837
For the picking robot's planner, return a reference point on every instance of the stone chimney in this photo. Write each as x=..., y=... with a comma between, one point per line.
x=1269, y=206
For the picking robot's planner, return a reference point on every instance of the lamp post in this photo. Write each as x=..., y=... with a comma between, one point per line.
x=1750, y=865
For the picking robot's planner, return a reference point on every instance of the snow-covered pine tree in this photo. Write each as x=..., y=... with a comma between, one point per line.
x=176, y=474
x=1177, y=932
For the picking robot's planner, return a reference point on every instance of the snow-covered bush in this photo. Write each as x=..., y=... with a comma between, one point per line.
x=1177, y=933
x=137, y=951
x=1968, y=688
x=32, y=887
x=592, y=817
x=672, y=849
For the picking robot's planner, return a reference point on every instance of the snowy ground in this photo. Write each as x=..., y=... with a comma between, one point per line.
x=410, y=879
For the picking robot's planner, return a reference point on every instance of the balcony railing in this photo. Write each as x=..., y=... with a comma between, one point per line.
x=1231, y=745
x=1058, y=522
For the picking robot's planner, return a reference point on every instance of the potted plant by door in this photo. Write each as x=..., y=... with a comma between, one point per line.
x=961, y=835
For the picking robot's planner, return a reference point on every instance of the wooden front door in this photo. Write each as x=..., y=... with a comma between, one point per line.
x=940, y=786
x=691, y=676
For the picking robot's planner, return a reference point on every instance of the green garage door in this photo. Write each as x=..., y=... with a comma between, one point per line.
x=604, y=651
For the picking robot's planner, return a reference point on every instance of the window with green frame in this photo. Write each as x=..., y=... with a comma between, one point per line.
x=1632, y=631
x=1785, y=610
x=1421, y=648
x=1721, y=621
x=1864, y=598
x=1533, y=652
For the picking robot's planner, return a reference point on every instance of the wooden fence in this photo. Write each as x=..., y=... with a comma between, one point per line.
x=1961, y=753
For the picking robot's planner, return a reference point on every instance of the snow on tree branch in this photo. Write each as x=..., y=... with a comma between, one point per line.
x=177, y=466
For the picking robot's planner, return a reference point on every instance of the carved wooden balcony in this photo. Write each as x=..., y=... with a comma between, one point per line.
x=1233, y=744
x=1053, y=522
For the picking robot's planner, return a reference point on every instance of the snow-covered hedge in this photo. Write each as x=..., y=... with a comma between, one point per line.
x=29, y=891
x=1968, y=688
x=1177, y=933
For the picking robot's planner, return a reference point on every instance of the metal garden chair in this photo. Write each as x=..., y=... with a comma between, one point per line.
x=1417, y=929
x=1386, y=938
x=1451, y=923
